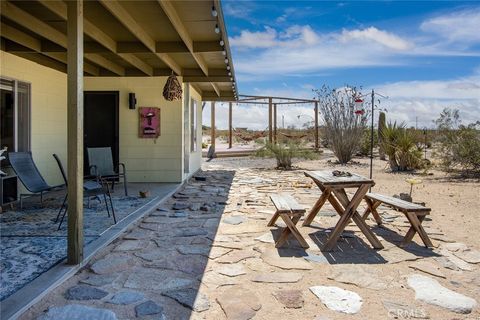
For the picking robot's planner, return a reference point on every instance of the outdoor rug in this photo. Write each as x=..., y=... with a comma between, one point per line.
x=30, y=243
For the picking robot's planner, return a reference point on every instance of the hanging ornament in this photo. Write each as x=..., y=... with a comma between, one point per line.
x=172, y=90
x=359, y=106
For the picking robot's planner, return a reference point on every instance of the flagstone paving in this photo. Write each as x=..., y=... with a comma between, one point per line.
x=207, y=253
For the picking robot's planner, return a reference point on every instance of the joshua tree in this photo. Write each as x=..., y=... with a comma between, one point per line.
x=381, y=126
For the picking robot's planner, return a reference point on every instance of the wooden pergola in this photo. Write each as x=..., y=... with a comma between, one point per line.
x=272, y=103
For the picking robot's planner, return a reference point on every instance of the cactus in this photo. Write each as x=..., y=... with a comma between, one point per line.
x=381, y=126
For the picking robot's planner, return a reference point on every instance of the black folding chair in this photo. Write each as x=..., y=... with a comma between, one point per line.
x=91, y=188
x=26, y=170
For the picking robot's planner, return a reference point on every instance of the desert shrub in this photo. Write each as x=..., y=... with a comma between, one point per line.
x=459, y=145
x=365, y=145
x=343, y=128
x=399, y=145
x=284, y=153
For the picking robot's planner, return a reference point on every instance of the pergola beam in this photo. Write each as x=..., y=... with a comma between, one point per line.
x=177, y=23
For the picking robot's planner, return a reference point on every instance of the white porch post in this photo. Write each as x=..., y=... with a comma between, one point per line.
x=75, y=130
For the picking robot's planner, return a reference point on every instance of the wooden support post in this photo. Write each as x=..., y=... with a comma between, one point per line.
x=316, y=126
x=270, y=133
x=230, y=127
x=214, y=136
x=275, y=123
x=75, y=130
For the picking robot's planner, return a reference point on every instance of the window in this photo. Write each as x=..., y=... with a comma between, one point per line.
x=14, y=115
x=193, y=125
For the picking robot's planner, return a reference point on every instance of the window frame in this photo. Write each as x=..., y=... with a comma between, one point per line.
x=15, y=92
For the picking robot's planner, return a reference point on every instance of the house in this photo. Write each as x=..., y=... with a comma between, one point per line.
x=71, y=71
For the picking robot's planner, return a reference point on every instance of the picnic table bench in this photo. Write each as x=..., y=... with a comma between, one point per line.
x=415, y=214
x=290, y=211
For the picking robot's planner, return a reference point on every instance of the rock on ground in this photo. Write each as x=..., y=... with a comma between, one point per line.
x=77, y=312
x=239, y=303
x=84, y=292
x=431, y=291
x=278, y=277
x=190, y=298
x=338, y=299
x=290, y=298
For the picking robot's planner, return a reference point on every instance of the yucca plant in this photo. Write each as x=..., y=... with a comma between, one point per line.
x=399, y=145
x=389, y=136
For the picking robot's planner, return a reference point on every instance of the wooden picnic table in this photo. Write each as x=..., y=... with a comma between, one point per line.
x=333, y=190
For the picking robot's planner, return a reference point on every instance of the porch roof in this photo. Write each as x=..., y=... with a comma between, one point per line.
x=129, y=38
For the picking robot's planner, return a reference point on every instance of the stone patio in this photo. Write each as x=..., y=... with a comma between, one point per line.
x=206, y=253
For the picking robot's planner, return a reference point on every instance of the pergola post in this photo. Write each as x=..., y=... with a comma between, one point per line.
x=270, y=133
x=316, y=126
x=275, y=123
x=75, y=130
x=230, y=127
x=212, y=122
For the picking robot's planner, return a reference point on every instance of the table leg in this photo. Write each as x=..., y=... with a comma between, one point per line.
x=372, y=207
x=351, y=213
x=316, y=208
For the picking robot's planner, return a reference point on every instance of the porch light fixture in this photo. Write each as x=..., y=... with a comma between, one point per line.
x=229, y=74
x=214, y=12
x=222, y=43
x=224, y=52
x=217, y=29
x=228, y=67
x=226, y=60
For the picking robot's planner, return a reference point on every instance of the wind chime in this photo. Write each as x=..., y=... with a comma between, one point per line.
x=172, y=90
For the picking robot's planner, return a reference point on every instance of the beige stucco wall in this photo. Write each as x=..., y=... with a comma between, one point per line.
x=147, y=160
x=48, y=111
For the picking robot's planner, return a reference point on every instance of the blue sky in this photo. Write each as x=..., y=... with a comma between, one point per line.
x=424, y=55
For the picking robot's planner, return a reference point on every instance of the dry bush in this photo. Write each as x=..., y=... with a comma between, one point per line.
x=343, y=128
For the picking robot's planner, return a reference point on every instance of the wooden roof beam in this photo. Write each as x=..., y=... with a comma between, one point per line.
x=206, y=79
x=122, y=15
x=216, y=88
x=60, y=9
x=31, y=44
x=177, y=23
x=39, y=27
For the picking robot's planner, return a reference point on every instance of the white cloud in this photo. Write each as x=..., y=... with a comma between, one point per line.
x=409, y=101
x=426, y=99
x=293, y=36
x=460, y=26
x=259, y=39
x=384, y=38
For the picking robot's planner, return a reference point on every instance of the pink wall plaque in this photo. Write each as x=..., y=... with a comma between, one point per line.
x=149, y=122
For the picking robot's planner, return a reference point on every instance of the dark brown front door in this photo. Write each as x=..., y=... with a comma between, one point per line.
x=101, y=127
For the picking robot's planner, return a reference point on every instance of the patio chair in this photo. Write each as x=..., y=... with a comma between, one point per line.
x=91, y=188
x=100, y=162
x=26, y=170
